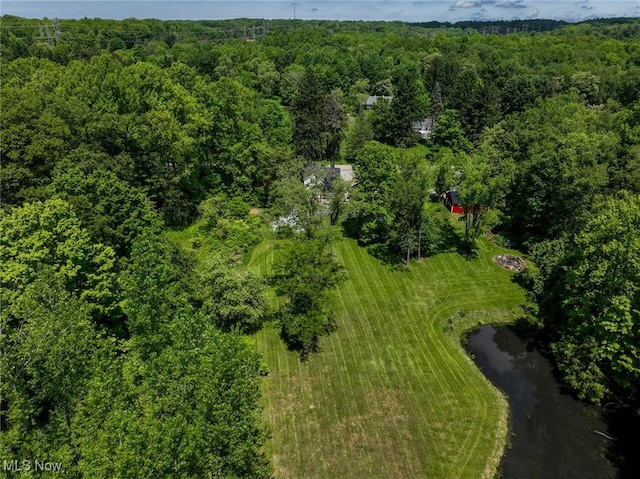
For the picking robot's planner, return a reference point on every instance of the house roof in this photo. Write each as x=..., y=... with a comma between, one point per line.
x=315, y=173
x=345, y=172
x=453, y=195
x=371, y=100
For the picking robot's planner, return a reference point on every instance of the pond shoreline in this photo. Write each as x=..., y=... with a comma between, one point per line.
x=550, y=432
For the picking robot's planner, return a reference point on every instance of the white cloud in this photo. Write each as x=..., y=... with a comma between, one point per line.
x=533, y=13
x=465, y=4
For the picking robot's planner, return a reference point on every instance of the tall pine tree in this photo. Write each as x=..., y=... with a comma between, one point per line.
x=407, y=106
x=308, y=113
x=335, y=122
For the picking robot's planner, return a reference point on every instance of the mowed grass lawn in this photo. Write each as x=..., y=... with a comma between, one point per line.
x=392, y=393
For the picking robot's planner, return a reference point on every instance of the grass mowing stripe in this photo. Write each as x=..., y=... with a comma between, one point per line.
x=394, y=394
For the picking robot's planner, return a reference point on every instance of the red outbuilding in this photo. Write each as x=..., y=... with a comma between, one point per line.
x=451, y=202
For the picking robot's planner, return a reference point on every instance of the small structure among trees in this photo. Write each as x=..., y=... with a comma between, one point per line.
x=316, y=175
x=372, y=100
x=423, y=127
x=452, y=202
x=343, y=171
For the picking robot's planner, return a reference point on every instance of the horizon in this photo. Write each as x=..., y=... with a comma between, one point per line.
x=450, y=11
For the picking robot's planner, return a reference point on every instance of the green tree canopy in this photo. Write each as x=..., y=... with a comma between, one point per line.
x=308, y=111
x=599, y=345
x=113, y=212
x=305, y=272
x=231, y=300
x=49, y=234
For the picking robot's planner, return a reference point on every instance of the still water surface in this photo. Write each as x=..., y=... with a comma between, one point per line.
x=552, y=435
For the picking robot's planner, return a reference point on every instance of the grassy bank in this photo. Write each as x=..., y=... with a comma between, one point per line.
x=392, y=393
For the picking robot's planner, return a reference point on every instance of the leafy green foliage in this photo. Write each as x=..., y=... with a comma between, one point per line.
x=308, y=118
x=49, y=234
x=340, y=191
x=376, y=173
x=388, y=201
x=50, y=351
x=188, y=411
x=359, y=133
x=306, y=272
x=113, y=212
x=233, y=301
x=166, y=131
x=178, y=397
x=409, y=192
x=521, y=91
x=153, y=293
x=448, y=133
x=599, y=337
x=184, y=396
x=562, y=150
x=478, y=196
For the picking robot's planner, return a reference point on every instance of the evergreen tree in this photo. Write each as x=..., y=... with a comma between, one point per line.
x=407, y=106
x=308, y=113
x=335, y=122
x=359, y=133
x=437, y=103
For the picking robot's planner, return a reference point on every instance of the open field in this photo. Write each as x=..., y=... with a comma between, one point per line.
x=392, y=394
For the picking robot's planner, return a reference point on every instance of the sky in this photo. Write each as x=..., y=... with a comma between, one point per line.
x=413, y=11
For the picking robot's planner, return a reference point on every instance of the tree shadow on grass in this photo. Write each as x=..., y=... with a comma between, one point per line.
x=386, y=256
x=446, y=239
x=450, y=241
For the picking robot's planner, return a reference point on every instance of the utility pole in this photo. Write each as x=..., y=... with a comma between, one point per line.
x=294, y=5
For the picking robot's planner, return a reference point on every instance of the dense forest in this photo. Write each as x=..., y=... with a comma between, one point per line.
x=124, y=354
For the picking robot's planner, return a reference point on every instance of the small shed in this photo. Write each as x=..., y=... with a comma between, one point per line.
x=452, y=203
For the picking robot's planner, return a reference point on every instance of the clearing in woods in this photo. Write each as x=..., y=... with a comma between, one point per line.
x=392, y=393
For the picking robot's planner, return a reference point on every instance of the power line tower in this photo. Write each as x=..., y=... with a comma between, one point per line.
x=45, y=33
x=49, y=37
x=56, y=30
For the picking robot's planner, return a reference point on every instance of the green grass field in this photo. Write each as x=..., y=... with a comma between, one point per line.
x=392, y=393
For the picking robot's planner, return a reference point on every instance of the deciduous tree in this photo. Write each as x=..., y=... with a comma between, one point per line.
x=231, y=300
x=306, y=272
x=50, y=235
x=599, y=345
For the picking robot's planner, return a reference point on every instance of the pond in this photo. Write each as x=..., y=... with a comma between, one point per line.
x=551, y=434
